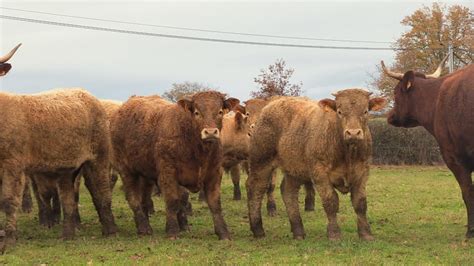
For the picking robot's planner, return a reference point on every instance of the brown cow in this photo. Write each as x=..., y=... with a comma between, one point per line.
x=176, y=145
x=254, y=108
x=445, y=108
x=4, y=66
x=327, y=143
x=46, y=190
x=56, y=134
x=235, y=143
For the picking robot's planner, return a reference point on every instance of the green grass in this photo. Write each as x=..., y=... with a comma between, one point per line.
x=417, y=216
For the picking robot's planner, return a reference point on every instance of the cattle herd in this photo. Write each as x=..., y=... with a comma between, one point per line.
x=52, y=139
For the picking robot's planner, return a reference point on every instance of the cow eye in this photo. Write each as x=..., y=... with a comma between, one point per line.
x=339, y=112
x=366, y=112
x=221, y=112
x=247, y=114
x=196, y=113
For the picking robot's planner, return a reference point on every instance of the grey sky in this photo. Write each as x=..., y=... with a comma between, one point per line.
x=115, y=66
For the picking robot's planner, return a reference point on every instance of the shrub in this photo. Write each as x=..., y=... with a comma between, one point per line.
x=403, y=146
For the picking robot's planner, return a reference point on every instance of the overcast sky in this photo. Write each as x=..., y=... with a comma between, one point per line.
x=115, y=66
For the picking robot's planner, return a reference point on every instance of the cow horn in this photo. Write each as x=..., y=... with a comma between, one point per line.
x=7, y=57
x=437, y=72
x=390, y=73
x=334, y=94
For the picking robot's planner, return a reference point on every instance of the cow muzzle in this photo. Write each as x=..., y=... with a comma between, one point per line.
x=210, y=134
x=353, y=134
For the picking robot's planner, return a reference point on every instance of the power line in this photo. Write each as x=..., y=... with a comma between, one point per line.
x=143, y=33
x=198, y=29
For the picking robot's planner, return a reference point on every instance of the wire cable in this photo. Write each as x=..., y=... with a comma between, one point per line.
x=198, y=29
x=143, y=33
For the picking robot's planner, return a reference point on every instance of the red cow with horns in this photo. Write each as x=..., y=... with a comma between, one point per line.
x=445, y=107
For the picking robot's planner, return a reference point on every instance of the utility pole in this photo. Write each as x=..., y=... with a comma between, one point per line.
x=451, y=58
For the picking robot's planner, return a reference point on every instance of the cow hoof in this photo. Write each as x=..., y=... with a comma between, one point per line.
x=334, y=236
x=470, y=233
x=225, y=238
x=237, y=197
x=67, y=237
x=110, y=231
x=172, y=238
x=259, y=234
x=298, y=237
x=309, y=208
x=367, y=237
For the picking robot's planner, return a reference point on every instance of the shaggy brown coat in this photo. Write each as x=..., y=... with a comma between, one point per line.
x=156, y=141
x=46, y=191
x=308, y=142
x=56, y=134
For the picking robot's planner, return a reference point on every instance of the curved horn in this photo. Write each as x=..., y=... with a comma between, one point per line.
x=391, y=74
x=7, y=57
x=334, y=94
x=437, y=72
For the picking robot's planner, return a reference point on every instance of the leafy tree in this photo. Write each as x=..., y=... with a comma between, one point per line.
x=425, y=44
x=276, y=81
x=179, y=90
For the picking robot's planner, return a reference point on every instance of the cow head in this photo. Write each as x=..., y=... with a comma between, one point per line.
x=235, y=134
x=4, y=66
x=253, y=109
x=208, y=109
x=403, y=113
x=352, y=107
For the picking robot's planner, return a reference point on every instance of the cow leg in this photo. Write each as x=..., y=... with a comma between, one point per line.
x=202, y=195
x=131, y=185
x=147, y=190
x=54, y=201
x=77, y=188
x=27, y=203
x=170, y=190
x=359, y=202
x=183, y=209
x=235, y=175
x=290, y=187
x=271, y=204
x=257, y=184
x=212, y=187
x=97, y=181
x=12, y=191
x=44, y=194
x=463, y=176
x=42, y=207
x=330, y=202
x=68, y=201
x=309, y=200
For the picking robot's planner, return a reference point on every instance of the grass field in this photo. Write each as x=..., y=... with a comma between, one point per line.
x=417, y=216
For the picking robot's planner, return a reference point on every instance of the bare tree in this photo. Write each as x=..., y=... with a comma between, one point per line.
x=275, y=80
x=179, y=90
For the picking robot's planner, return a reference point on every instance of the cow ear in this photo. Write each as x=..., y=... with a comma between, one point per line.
x=187, y=104
x=230, y=103
x=376, y=104
x=327, y=104
x=4, y=68
x=239, y=108
x=408, y=80
x=239, y=120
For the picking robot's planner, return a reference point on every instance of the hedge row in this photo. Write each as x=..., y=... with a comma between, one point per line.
x=402, y=146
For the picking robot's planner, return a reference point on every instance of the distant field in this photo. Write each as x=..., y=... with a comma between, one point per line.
x=417, y=216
